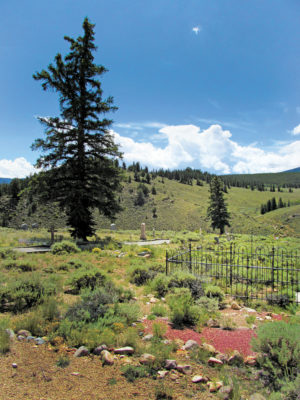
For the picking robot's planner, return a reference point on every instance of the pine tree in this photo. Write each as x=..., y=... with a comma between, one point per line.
x=78, y=151
x=217, y=210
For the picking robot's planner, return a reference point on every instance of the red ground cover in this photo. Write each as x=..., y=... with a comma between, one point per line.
x=223, y=340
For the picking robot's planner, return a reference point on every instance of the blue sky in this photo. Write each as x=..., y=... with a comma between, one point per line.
x=210, y=84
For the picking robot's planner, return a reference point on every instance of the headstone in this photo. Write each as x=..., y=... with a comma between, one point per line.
x=35, y=225
x=24, y=227
x=143, y=231
x=297, y=297
x=113, y=227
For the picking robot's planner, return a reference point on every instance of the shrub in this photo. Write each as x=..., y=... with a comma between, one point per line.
x=215, y=291
x=160, y=284
x=63, y=362
x=7, y=253
x=22, y=265
x=4, y=341
x=182, y=310
x=161, y=351
x=132, y=372
x=208, y=304
x=50, y=310
x=87, y=278
x=33, y=322
x=64, y=247
x=96, y=250
x=159, y=310
x=163, y=393
x=140, y=275
x=159, y=330
x=281, y=300
x=129, y=311
x=279, y=345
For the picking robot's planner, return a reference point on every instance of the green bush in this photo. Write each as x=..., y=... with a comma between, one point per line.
x=159, y=330
x=129, y=311
x=23, y=293
x=7, y=253
x=64, y=247
x=21, y=265
x=186, y=280
x=33, y=322
x=141, y=275
x=63, y=362
x=86, y=278
x=132, y=372
x=4, y=341
x=159, y=310
x=49, y=309
x=208, y=304
x=183, y=312
x=281, y=300
x=160, y=284
x=215, y=292
x=279, y=345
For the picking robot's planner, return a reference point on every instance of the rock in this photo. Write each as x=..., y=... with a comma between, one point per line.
x=107, y=358
x=213, y=323
x=39, y=341
x=21, y=337
x=30, y=338
x=257, y=396
x=10, y=333
x=184, y=369
x=24, y=332
x=214, y=386
x=153, y=300
x=174, y=375
x=147, y=359
x=251, y=360
x=235, y=306
x=148, y=337
x=97, y=350
x=222, y=357
x=226, y=392
x=162, y=374
x=14, y=365
x=171, y=364
x=163, y=299
x=236, y=358
x=199, y=379
x=190, y=344
x=81, y=352
x=268, y=318
x=124, y=350
x=214, y=361
x=209, y=348
x=249, y=310
x=75, y=373
x=125, y=360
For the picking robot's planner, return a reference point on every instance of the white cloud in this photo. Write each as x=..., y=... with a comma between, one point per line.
x=197, y=29
x=296, y=130
x=298, y=110
x=18, y=168
x=211, y=149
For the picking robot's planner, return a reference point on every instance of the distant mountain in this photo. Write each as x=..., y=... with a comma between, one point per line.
x=5, y=180
x=293, y=170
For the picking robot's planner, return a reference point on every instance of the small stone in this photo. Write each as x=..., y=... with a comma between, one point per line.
x=21, y=338
x=14, y=365
x=174, y=376
x=249, y=310
x=268, y=318
x=24, y=332
x=81, y=352
x=184, y=369
x=75, y=373
x=251, y=360
x=162, y=374
x=39, y=341
x=153, y=300
x=148, y=337
x=199, y=379
x=97, y=350
x=235, y=306
x=171, y=364
x=190, y=344
x=147, y=359
x=30, y=338
x=107, y=358
x=214, y=361
x=214, y=386
x=226, y=392
x=124, y=350
x=257, y=396
x=163, y=299
x=222, y=357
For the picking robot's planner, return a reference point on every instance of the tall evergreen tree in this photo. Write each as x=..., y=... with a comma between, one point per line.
x=217, y=210
x=78, y=151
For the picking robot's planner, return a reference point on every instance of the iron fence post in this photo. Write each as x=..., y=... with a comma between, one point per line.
x=273, y=263
x=167, y=262
x=190, y=256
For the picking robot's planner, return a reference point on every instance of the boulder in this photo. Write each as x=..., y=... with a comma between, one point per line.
x=184, y=369
x=209, y=348
x=124, y=350
x=30, y=338
x=190, y=344
x=147, y=359
x=97, y=350
x=81, y=352
x=162, y=374
x=199, y=379
x=39, y=341
x=24, y=332
x=214, y=386
x=214, y=361
x=171, y=364
x=21, y=338
x=223, y=357
x=107, y=357
x=235, y=306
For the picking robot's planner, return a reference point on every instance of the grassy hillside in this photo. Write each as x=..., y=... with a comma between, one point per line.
x=184, y=207
x=280, y=178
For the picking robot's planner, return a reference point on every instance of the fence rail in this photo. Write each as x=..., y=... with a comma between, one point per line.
x=261, y=273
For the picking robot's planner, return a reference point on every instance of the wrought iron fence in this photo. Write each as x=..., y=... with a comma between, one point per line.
x=261, y=273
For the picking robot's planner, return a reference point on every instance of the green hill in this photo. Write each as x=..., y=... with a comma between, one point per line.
x=288, y=178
